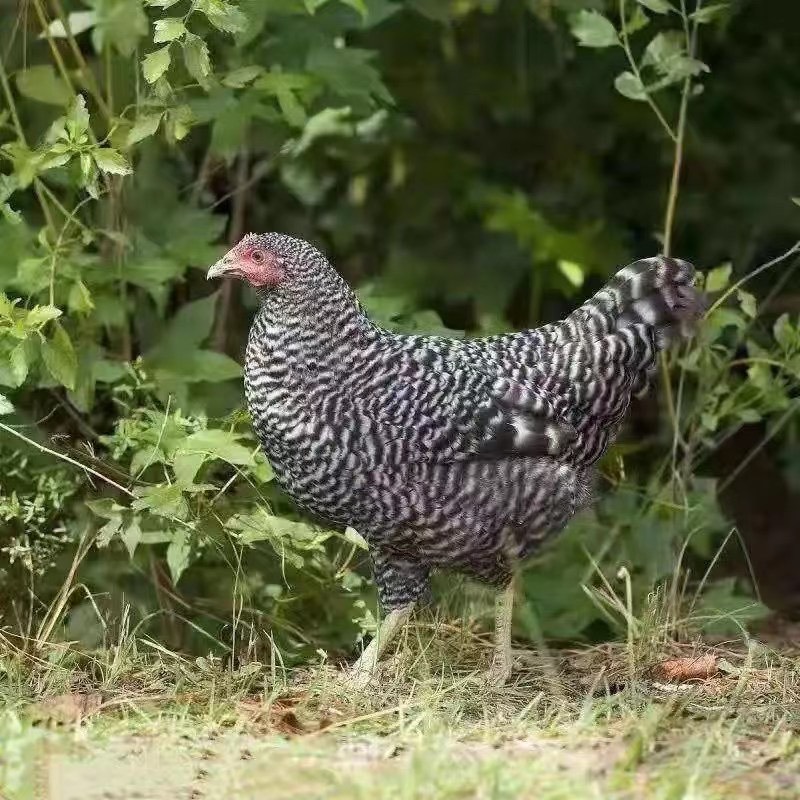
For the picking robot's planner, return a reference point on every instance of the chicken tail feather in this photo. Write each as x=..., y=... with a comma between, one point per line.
x=658, y=292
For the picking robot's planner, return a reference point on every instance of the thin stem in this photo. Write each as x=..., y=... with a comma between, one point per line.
x=12, y=106
x=44, y=449
x=69, y=216
x=795, y=248
x=626, y=46
x=677, y=161
x=45, y=26
x=88, y=75
x=669, y=221
x=55, y=610
x=38, y=186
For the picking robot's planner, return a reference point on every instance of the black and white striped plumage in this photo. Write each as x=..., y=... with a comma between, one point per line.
x=444, y=453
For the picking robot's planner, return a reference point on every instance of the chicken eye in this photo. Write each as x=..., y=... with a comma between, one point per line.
x=257, y=256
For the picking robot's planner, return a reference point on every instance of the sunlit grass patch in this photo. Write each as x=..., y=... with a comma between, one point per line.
x=586, y=722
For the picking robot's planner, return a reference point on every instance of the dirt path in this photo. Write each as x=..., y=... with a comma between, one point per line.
x=236, y=765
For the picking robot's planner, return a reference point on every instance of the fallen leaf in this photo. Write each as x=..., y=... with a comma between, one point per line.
x=693, y=668
x=66, y=708
x=278, y=716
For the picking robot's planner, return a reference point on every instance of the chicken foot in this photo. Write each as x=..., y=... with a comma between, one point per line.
x=362, y=671
x=500, y=670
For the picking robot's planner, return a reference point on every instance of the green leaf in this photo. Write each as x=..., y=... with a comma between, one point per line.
x=106, y=532
x=180, y=121
x=239, y=78
x=156, y=64
x=208, y=365
x=168, y=29
x=78, y=22
x=347, y=71
x=39, y=316
x=628, y=85
x=747, y=302
x=120, y=23
x=112, y=161
x=708, y=13
x=107, y=508
x=42, y=84
x=10, y=215
x=636, y=21
x=726, y=610
x=723, y=318
x=76, y=123
x=217, y=443
x=662, y=48
x=5, y=405
x=19, y=362
x=354, y=537
x=291, y=108
x=186, y=466
x=80, y=298
x=658, y=6
x=784, y=332
x=178, y=353
x=667, y=54
x=328, y=122
x=284, y=86
x=285, y=536
x=131, y=537
x=719, y=278
x=359, y=5
x=573, y=272
x=592, y=29
x=166, y=500
x=178, y=554
x=195, y=56
x=222, y=15
x=146, y=125
x=186, y=330
x=205, y=445
x=59, y=357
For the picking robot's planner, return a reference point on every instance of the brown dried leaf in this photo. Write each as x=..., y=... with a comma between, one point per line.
x=66, y=708
x=690, y=668
x=277, y=716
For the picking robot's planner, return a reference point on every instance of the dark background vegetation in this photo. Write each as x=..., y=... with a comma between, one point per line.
x=470, y=167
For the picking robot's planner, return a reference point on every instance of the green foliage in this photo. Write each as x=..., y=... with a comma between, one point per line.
x=421, y=143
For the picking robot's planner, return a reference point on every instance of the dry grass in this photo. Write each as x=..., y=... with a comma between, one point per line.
x=139, y=721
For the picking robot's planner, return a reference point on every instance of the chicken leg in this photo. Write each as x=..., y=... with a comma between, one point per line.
x=500, y=670
x=362, y=671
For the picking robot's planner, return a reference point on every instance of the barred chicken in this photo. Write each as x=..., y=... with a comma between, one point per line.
x=457, y=454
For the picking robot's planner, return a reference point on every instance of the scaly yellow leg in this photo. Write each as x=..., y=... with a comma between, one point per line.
x=500, y=670
x=363, y=670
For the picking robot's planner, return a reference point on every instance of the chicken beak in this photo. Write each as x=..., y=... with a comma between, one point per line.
x=223, y=266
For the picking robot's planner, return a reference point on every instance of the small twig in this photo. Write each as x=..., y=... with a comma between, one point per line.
x=37, y=184
x=677, y=162
x=669, y=224
x=260, y=171
x=56, y=609
x=795, y=248
x=626, y=46
x=74, y=414
x=88, y=75
x=44, y=449
x=57, y=57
